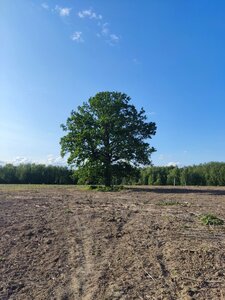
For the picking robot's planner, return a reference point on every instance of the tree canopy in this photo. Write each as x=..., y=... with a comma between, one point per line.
x=106, y=137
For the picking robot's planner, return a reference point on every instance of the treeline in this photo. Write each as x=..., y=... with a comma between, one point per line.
x=36, y=174
x=212, y=173
x=204, y=174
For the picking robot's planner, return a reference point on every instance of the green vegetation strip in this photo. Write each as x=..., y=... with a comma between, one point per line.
x=101, y=188
x=209, y=219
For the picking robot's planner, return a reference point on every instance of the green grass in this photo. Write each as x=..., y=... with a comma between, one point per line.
x=209, y=219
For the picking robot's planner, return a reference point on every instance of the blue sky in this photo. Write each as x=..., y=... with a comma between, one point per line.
x=169, y=56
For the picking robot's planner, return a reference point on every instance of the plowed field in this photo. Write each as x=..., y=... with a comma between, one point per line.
x=141, y=243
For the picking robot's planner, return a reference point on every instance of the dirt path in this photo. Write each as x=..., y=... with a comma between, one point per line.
x=65, y=244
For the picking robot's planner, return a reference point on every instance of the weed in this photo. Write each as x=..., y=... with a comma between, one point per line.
x=209, y=219
x=168, y=203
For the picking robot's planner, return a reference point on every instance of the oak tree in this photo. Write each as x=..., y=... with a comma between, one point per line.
x=107, y=137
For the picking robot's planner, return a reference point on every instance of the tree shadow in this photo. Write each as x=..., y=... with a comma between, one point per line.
x=179, y=190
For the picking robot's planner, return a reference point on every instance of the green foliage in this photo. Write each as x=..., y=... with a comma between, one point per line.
x=212, y=173
x=154, y=175
x=8, y=174
x=105, y=139
x=202, y=175
x=173, y=177
x=100, y=188
x=35, y=174
x=209, y=219
x=89, y=174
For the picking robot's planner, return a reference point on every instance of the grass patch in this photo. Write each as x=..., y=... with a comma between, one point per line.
x=101, y=188
x=209, y=219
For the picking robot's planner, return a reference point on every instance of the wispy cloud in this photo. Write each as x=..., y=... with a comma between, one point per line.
x=111, y=38
x=105, y=29
x=77, y=37
x=45, y=6
x=63, y=11
x=89, y=13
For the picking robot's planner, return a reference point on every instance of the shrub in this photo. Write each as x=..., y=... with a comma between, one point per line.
x=101, y=188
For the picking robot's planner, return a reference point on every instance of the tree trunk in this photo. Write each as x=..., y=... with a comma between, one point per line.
x=108, y=175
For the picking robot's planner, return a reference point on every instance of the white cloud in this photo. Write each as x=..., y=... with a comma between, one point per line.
x=173, y=164
x=55, y=161
x=20, y=160
x=77, y=37
x=49, y=160
x=104, y=32
x=111, y=38
x=63, y=11
x=89, y=13
x=45, y=6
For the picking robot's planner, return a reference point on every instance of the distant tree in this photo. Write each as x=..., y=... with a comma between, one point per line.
x=184, y=176
x=8, y=174
x=173, y=178
x=106, y=137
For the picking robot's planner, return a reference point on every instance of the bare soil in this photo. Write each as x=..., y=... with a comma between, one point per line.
x=65, y=243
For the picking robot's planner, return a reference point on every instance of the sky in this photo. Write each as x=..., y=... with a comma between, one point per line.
x=168, y=56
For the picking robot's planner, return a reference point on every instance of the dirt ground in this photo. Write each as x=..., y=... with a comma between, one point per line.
x=65, y=243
